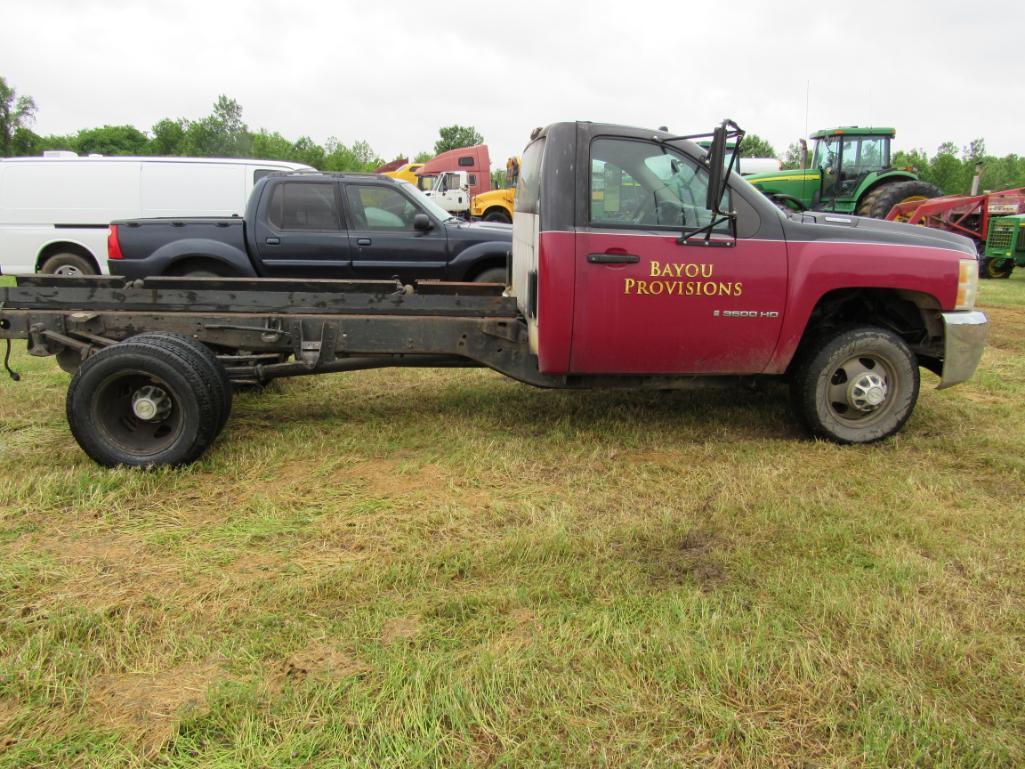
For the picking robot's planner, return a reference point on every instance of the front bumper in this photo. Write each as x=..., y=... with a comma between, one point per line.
x=964, y=335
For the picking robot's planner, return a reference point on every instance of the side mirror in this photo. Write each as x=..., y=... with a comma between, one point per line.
x=421, y=222
x=716, y=162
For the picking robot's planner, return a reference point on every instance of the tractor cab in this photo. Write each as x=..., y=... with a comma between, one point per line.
x=845, y=159
x=849, y=173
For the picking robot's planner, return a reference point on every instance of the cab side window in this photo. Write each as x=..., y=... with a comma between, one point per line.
x=303, y=206
x=375, y=207
x=644, y=184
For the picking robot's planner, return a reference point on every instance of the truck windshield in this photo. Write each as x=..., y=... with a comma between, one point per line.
x=425, y=202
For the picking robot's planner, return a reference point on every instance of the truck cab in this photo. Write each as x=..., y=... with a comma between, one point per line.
x=634, y=255
x=451, y=191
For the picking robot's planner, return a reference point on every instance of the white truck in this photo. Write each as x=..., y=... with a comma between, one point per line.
x=451, y=191
x=55, y=209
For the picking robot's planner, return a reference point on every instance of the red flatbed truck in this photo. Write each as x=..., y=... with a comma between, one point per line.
x=639, y=260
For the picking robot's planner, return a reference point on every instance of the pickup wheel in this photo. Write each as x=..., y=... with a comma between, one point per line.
x=67, y=264
x=199, y=355
x=857, y=385
x=491, y=275
x=143, y=404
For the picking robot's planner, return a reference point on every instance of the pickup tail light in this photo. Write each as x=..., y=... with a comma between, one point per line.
x=967, y=284
x=113, y=244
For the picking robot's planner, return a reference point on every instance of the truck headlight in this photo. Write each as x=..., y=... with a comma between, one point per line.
x=967, y=284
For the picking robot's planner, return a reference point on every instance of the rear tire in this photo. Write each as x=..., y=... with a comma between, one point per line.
x=878, y=202
x=200, y=355
x=491, y=275
x=68, y=265
x=857, y=385
x=141, y=404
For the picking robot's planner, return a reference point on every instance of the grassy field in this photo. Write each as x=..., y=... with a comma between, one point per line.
x=445, y=568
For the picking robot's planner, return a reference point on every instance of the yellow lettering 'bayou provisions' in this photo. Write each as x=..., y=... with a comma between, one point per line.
x=634, y=287
x=680, y=270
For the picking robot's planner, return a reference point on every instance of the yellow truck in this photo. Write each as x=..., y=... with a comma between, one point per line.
x=407, y=172
x=498, y=205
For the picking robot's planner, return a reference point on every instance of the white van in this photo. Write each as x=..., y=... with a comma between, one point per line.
x=54, y=210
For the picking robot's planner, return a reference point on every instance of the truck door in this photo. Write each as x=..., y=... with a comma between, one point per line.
x=385, y=241
x=646, y=304
x=299, y=231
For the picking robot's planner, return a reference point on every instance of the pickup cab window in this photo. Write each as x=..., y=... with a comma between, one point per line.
x=375, y=207
x=303, y=206
x=638, y=183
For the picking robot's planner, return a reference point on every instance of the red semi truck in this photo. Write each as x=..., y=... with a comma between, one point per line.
x=639, y=260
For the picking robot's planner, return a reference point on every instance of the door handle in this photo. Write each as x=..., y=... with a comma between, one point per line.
x=272, y=241
x=363, y=241
x=613, y=258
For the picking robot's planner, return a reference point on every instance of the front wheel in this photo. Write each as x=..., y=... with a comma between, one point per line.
x=497, y=215
x=857, y=385
x=995, y=268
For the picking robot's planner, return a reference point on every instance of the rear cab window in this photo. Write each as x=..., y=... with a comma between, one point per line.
x=304, y=206
x=528, y=186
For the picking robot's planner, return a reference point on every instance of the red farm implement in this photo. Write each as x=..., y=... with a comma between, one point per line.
x=967, y=215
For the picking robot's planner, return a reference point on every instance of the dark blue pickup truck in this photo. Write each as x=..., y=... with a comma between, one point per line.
x=347, y=226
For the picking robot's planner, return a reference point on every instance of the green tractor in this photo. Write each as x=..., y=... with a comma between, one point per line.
x=1005, y=246
x=850, y=173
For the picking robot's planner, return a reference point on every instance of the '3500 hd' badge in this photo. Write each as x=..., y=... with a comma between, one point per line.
x=745, y=314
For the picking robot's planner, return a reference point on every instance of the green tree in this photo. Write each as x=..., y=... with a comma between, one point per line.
x=307, y=151
x=169, y=137
x=15, y=112
x=112, y=140
x=423, y=157
x=754, y=146
x=269, y=146
x=455, y=136
x=221, y=134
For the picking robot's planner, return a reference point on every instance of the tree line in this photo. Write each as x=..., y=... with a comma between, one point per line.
x=222, y=133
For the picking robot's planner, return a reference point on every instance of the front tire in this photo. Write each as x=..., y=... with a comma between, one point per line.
x=858, y=385
x=498, y=215
x=142, y=404
x=995, y=268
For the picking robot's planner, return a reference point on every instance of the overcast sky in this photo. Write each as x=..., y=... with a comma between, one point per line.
x=392, y=72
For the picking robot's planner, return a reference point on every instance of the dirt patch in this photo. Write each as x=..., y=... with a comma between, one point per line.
x=322, y=661
x=399, y=629
x=111, y=570
x=146, y=707
x=692, y=557
x=388, y=478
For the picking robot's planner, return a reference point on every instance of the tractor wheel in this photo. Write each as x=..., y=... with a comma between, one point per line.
x=878, y=202
x=995, y=268
x=498, y=215
x=143, y=405
x=856, y=386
